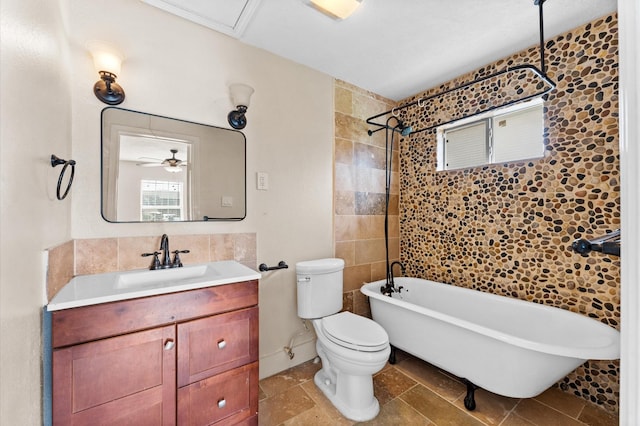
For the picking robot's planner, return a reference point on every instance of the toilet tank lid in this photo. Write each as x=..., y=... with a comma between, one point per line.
x=320, y=266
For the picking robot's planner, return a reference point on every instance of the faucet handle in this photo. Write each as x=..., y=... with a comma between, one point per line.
x=155, y=264
x=177, y=263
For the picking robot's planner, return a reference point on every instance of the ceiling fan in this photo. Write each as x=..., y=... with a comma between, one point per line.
x=167, y=163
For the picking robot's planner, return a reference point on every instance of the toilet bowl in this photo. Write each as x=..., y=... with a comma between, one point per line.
x=352, y=348
x=346, y=377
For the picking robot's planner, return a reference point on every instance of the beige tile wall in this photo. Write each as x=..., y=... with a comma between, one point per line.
x=359, y=191
x=99, y=255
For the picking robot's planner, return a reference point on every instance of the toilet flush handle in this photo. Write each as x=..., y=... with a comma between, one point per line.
x=304, y=280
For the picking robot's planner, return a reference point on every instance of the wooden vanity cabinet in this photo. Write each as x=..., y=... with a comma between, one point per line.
x=218, y=368
x=122, y=380
x=187, y=358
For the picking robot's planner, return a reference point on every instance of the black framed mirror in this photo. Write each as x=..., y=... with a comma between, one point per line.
x=161, y=169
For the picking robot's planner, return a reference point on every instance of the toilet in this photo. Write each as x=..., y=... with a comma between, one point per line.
x=352, y=348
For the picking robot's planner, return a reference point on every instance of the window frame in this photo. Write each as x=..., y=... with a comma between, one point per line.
x=492, y=118
x=146, y=207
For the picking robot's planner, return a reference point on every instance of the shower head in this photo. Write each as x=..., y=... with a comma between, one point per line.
x=403, y=129
x=399, y=127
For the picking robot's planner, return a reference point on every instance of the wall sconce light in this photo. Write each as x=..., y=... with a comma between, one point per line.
x=240, y=96
x=108, y=63
x=336, y=9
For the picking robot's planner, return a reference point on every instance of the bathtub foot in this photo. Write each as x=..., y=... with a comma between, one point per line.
x=392, y=355
x=469, y=400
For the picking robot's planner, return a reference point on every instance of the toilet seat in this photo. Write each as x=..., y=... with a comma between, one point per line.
x=355, y=332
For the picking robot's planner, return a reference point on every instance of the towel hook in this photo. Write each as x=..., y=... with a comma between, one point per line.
x=56, y=161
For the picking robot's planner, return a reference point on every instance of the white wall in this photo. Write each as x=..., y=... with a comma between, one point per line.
x=35, y=104
x=629, y=12
x=173, y=68
x=179, y=69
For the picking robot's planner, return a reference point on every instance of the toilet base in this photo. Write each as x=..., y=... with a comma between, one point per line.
x=363, y=411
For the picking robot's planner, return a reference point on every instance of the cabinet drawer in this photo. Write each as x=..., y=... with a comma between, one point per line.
x=212, y=345
x=128, y=379
x=226, y=399
x=87, y=323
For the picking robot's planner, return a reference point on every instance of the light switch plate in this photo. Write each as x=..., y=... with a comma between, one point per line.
x=262, y=181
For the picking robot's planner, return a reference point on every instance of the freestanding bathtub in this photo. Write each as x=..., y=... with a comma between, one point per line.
x=507, y=346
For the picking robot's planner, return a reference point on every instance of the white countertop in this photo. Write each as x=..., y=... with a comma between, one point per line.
x=85, y=290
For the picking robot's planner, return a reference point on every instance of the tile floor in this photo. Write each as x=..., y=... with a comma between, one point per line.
x=412, y=392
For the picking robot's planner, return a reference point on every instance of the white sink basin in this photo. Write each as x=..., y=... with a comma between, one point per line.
x=151, y=278
x=85, y=290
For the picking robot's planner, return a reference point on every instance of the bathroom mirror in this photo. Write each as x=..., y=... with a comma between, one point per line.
x=161, y=169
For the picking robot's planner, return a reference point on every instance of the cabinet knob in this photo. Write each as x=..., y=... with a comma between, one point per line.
x=222, y=403
x=169, y=344
x=221, y=344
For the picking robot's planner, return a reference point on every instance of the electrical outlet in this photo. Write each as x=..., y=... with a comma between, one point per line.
x=227, y=201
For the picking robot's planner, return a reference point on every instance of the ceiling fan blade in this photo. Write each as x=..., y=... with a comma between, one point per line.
x=149, y=164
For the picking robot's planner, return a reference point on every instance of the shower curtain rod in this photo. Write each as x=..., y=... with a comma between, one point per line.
x=541, y=73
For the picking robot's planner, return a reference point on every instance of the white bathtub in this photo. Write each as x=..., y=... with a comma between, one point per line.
x=508, y=346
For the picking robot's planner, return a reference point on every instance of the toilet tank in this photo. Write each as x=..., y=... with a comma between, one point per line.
x=319, y=284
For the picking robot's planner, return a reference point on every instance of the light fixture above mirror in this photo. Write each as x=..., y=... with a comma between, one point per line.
x=108, y=62
x=240, y=96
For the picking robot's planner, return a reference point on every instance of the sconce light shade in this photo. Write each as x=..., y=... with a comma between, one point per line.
x=336, y=9
x=108, y=64
x=240, y=96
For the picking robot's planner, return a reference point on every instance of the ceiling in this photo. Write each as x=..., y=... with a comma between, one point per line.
x=394, y=48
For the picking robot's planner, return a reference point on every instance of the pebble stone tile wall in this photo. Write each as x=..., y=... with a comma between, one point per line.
x=507, y=228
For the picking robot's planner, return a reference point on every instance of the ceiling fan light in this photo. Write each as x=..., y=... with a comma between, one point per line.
x=173, y=169
x=337, y=9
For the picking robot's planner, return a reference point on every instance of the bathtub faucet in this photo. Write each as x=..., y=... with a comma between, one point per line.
x=403, y=270
x=390, y=287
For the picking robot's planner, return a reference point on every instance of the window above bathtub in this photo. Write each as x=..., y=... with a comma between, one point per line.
x=514, y=133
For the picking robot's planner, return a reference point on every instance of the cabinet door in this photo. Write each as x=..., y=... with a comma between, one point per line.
x=230, y=398
x=124, y=380
x=215, y=344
